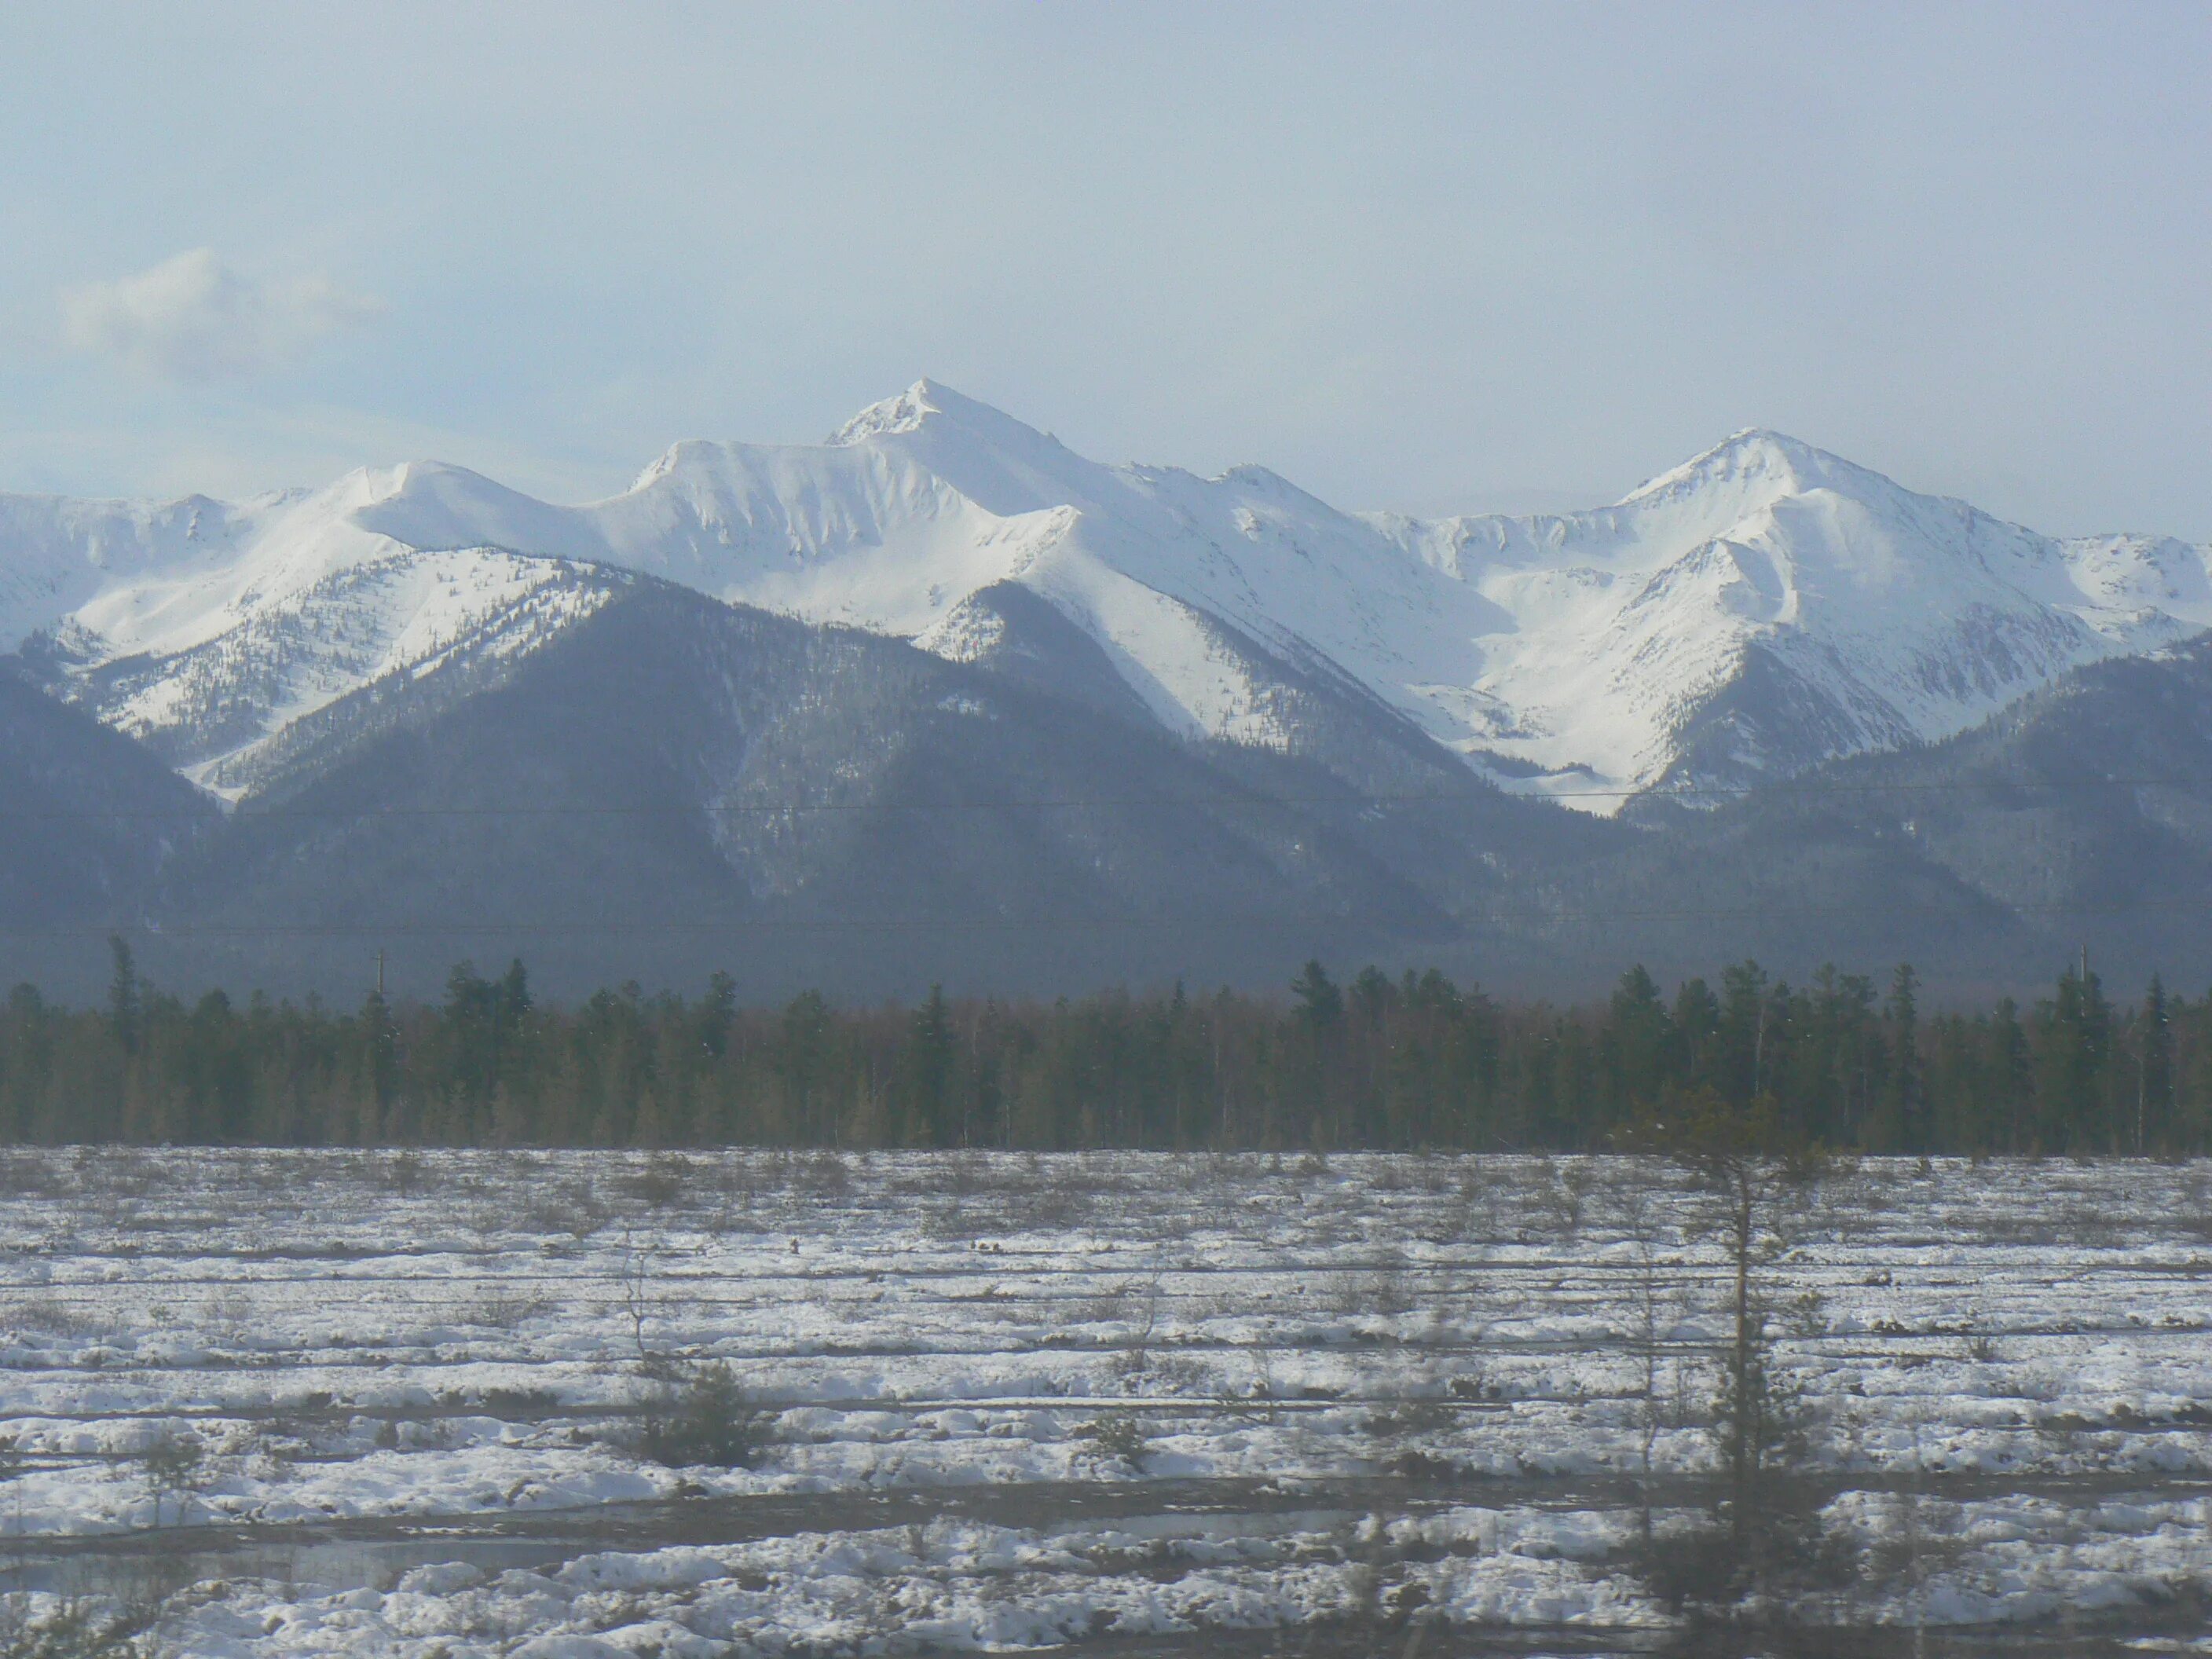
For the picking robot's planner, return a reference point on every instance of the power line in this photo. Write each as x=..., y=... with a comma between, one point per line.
x=1476, y=794
x=1049, y=924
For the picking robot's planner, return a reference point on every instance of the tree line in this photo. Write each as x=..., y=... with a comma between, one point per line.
x=1368, y=1061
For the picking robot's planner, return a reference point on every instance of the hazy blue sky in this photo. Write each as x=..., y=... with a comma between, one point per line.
x=1412, y=257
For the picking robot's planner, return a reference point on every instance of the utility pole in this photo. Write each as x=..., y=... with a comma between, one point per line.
x=380, y=976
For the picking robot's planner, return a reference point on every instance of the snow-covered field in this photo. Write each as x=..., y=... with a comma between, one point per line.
x=1140, y=1404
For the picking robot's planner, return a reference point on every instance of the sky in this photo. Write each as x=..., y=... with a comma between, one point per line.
x=1433, y=259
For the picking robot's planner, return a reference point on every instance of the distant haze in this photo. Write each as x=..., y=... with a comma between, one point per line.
x=1424, y=257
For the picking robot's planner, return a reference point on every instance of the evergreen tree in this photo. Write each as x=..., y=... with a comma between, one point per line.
x=380, y=1040
x=1321, y=1005
x=716, y=1013
x=1696, y=1020
x=1638, y=1051
x=803, y=1066
x=2074, y=1034
x=928, y=1074
x=1307, y=1108
x=513, y=993
x=1372, y=994
x=1740, y=1068
x=1410, y=1062
x=2153, y=1127
x=2010, y=1126
x=983, y=1113
x=1904, y=1101
x=125, y=1010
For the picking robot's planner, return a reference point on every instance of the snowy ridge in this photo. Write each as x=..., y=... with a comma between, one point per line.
x=208, y=707
x=1906, y=618
x=1585, y=655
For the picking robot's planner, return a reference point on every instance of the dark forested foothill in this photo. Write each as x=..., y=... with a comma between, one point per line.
x=1404, y=1062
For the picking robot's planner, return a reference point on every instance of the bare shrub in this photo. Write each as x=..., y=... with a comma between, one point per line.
x=1138, y=1359
x=1696, y=1566
x=50, y=1317
x=504, y=1308
x=1179, y=1374
x=115, y=1172
x=1047, y=1203
x=2087, y=1227
x=947, y=1222
x=1413, y=1415
x=414, y=1434
x=1559, y=1201
x=1390, y=1289
x=281, y=1444
x=1479, y=1198
x=1806, y=1315
x=29, y=1175
x=402, y=1173
x=73, y=1629
x=1471, y=1384
x=1110, y=1307
x=174, y=1464
x=734, y=1216
x=661, y=1184
x=572, y=1207
x=1385, y=1288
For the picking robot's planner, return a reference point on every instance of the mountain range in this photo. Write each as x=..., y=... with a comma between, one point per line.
x=938, y=698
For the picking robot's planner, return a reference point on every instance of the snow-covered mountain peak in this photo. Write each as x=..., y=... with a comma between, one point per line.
x=1003, y=464
x=434, y=504
x=1743, y=484
x=904, y=413
x=1265, y=482
x=928, y=405
x=685, y=457
x=361, y=487
x=1755, y=610
x=1757, y=463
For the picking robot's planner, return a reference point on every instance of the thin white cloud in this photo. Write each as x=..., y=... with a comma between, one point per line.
x=192, y=319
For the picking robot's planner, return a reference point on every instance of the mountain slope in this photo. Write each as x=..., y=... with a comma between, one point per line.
x=1757, y=610
x=675, y=785
x=1766, y=606
x=88, y=824
x=210, y=708
x=2081, y=815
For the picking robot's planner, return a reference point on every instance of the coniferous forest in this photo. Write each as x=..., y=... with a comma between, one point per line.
x=1367, y=1061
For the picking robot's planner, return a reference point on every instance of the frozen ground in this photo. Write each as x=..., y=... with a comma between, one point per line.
x=1137, y=1404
